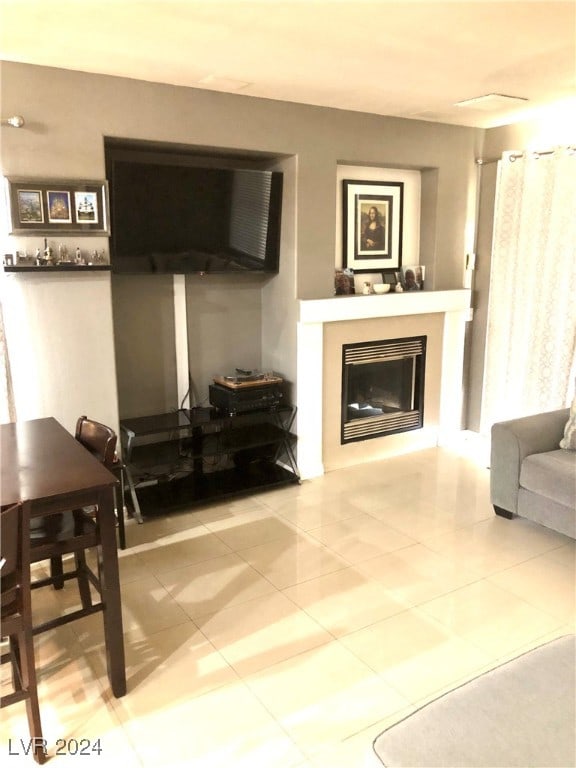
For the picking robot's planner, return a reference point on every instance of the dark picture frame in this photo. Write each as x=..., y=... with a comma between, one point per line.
x=373, y=213
x=50, y=206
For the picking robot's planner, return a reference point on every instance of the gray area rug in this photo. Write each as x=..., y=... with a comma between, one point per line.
x=522, y=714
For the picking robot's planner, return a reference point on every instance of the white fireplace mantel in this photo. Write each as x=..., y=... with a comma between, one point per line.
x=341, y=308
x=313, y=313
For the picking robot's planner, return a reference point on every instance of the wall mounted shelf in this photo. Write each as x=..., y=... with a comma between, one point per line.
x=59, y=268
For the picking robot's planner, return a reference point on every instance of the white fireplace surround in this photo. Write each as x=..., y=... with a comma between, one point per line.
x=454, y=305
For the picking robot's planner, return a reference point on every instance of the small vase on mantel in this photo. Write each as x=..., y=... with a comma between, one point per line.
x=398, y=288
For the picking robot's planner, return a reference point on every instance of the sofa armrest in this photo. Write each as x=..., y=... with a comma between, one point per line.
x=511, y=442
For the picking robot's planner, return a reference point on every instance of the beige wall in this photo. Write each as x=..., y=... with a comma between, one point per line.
x=224, y=329
x=69, y=113
x=143, y=311
x=481, y=287
x=58, y=330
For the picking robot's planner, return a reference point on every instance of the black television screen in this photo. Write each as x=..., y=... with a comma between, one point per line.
x=172, y=217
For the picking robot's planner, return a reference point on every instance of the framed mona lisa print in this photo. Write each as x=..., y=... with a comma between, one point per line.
x=372, y=225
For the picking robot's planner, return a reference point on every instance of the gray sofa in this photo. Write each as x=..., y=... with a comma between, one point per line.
x=530, y=475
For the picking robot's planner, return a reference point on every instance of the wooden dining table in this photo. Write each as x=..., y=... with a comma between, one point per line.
x=41, y=461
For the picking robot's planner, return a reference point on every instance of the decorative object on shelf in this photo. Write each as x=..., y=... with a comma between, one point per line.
x=60, y=259
x=367, y=288
x=390, y=279
x=24, y=260
x=47, y=206
x=421, y=276
x=372, y=225
x=344, y=282
x=381, y=287
x=412, y=278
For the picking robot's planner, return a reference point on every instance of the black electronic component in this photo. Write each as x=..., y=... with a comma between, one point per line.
x=235, y=401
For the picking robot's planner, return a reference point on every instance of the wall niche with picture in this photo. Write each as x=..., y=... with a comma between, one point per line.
x=401, y=202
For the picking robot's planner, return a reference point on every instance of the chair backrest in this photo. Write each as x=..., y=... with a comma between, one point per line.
x=99, y=439
x=14, y=555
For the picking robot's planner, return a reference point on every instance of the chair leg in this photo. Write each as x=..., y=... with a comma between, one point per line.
x=15, y=662
x=120, y=507
x=83, y=581
x=23, y=657
x=28, y=667
x=57, y=571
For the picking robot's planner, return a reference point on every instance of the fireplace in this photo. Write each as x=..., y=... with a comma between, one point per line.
x=382, y=387
x=325, y=325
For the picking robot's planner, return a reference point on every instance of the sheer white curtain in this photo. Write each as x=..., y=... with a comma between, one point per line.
x=531, y=335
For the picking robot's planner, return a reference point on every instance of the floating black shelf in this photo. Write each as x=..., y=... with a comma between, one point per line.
x=59, y=268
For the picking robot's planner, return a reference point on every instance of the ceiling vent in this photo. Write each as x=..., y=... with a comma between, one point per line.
x=492, y=101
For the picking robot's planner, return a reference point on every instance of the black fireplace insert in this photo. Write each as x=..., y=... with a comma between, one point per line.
x=382, y=387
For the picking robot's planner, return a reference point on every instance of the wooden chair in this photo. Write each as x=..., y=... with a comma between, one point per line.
x=101, y=441
x=16, y=618
x=75, y=532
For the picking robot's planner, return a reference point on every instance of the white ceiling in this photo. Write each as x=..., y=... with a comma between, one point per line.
x=409, y=58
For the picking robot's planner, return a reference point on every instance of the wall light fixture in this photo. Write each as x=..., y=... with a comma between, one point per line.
x=16, y=121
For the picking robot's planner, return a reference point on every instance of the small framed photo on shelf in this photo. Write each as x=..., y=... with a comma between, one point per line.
x=57, y=206
x=372, y=225
x=412, y=278
x=344, y=282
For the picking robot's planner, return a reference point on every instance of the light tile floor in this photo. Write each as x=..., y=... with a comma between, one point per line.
x=287, y=630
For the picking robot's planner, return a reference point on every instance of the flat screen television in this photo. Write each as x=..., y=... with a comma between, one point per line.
x=168, y=215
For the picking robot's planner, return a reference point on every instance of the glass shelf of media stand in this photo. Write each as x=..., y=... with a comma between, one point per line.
x=185, y=457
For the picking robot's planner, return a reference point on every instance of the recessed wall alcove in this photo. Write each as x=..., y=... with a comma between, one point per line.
x=419, y=242
x=174, y=333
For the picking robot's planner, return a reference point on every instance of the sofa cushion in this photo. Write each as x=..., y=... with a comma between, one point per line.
x=568, y=442
x=551, y=474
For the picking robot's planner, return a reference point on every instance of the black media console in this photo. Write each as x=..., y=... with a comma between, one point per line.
x=178, y=459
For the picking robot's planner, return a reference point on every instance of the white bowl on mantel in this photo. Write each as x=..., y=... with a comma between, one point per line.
x=381, y=287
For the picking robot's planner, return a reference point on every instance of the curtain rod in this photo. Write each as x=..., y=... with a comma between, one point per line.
x=528, y=153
